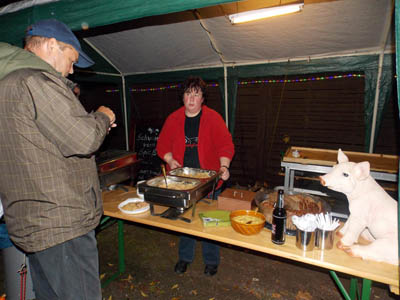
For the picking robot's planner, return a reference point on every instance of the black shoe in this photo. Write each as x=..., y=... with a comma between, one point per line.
x=211, y=270
x=181, y=266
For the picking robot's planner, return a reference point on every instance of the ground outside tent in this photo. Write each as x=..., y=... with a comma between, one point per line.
x=243, y=274
x=151, y=254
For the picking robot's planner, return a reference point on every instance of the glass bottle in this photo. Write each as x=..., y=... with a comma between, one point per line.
x=279, y=220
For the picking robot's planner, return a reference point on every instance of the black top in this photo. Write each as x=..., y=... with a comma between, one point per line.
x=191, y=158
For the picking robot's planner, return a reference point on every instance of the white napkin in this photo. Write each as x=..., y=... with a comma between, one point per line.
x=306, y=222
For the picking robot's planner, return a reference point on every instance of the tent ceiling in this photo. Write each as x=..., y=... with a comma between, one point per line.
x=180, y=41
x=144, y=37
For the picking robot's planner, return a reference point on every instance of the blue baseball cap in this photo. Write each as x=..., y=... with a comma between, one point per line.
x=52, y=28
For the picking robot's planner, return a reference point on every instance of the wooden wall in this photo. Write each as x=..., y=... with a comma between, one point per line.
x=150, y=109
x=269, y=118
x=388, y=136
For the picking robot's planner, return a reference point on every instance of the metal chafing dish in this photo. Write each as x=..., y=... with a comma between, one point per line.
x=116, y=166
x=189, y=191
x=194, y=173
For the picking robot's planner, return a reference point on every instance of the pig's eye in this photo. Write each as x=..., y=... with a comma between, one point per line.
x=345, y=174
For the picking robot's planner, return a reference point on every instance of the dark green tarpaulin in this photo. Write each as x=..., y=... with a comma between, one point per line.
x=92, y=13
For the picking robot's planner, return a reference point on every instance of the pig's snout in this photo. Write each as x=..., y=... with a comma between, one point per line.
x=322, y=181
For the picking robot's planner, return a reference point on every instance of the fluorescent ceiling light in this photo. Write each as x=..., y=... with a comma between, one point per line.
x=265, y=13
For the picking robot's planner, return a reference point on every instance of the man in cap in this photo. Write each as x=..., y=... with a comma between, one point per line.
x=52, y=199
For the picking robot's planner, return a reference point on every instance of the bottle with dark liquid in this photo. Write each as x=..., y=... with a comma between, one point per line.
x=279, y=221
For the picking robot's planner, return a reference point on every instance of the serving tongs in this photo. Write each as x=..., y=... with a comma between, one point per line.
x=165, y=174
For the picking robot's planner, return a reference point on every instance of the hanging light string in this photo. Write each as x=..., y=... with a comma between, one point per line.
x=300, y=79
x=155, y=89
x=245, y=82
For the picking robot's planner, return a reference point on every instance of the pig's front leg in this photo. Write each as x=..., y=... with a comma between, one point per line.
x=379, y=250
x=353, y=228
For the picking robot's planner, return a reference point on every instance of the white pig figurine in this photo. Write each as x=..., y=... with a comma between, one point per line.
x=373, y=213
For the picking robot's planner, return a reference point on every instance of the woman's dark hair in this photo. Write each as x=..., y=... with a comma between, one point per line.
x=195, y=83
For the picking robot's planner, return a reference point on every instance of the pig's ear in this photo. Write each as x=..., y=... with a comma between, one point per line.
x=362, y=170
x=341, y=157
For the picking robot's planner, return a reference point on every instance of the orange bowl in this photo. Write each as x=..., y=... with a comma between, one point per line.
x=247, y=228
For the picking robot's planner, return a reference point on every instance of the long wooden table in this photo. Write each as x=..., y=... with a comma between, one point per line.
x=334, y=259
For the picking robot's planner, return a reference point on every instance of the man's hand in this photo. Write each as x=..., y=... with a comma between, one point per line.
x=109, y=113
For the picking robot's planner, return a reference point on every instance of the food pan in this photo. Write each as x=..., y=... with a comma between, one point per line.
x=173, y=183
x=189, y=191
x=200, y=174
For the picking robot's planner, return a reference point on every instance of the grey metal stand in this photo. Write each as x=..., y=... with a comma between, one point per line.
x=290, y=169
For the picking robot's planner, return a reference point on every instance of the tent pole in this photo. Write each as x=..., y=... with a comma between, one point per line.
x=102, y=55
x=378, y=80
x=125, y=113
x=98, y=73
x=375, y=112
x=307, y=58
x=259, y=62
x=221, y=58
x=226, y=95
x=123, y=90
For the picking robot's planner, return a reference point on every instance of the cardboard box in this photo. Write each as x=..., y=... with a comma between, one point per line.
x=235, y=199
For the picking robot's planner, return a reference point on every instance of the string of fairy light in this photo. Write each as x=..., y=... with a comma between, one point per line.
x=246, y=82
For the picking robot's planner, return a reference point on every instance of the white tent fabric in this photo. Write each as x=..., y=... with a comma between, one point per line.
x=322, y=29
x=13, y=7
x=157, y=48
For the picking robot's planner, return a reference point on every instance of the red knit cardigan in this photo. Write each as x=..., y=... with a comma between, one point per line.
x=215, y=140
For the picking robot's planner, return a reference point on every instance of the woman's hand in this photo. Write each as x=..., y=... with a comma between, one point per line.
x=224, y=171
x=173, y=164
x=224, y=167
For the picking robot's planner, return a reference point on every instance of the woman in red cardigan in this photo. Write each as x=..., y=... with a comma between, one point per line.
x=196, y=136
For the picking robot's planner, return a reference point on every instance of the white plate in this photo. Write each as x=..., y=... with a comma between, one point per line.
x=136, y=211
